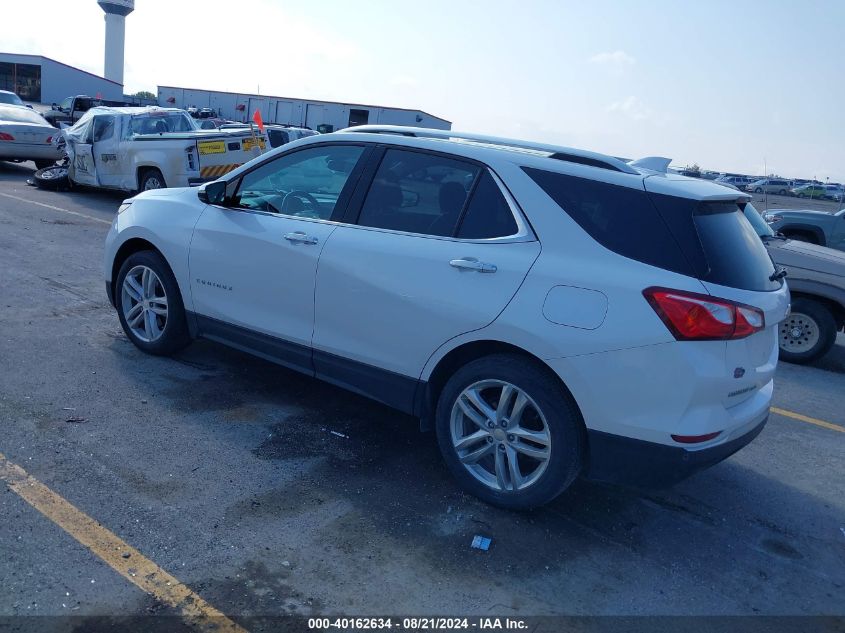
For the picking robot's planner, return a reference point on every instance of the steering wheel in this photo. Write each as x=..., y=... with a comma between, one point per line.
x=302, y=196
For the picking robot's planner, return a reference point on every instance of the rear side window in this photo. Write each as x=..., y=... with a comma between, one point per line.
x=418, y=193
x=619, y=218
x=488, y=214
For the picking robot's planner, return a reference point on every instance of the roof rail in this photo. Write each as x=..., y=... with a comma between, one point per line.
x=556, y=152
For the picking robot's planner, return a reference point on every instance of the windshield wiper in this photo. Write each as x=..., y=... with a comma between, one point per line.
x=780, y=273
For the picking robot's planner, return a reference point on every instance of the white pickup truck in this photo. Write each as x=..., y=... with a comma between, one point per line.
x=135, y=149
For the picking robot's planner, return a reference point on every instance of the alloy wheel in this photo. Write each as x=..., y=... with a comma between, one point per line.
x=500, y=435
x=144, y=303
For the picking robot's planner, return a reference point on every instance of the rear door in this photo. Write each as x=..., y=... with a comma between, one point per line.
x=437, y=250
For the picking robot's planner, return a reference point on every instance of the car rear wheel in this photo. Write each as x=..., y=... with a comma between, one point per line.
x=149, y=304
x=509, y=432
x=782, y=192
x=801, y=195
x=758, y=190
x=807, y=333
x=151, y=179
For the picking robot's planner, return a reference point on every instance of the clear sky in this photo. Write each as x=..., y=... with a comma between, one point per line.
x=726, y=84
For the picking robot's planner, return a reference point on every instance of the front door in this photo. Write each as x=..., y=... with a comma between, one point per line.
x=105, y=151
x=253, y=262
x=425, y=263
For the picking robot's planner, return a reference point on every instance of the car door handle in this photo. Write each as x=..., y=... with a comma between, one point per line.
x=473, y=264
x=299, y=237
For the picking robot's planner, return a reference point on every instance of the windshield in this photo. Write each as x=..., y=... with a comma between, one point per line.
x=10, y=97
x=20, y=114
x=160, y=123
x=757, y=221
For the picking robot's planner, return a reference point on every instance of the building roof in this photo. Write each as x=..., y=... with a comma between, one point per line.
x=258, y=96
x=50, y=59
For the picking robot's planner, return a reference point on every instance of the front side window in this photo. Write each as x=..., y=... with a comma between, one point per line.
x=103, y=128
x=306, y=183
x=418, y=193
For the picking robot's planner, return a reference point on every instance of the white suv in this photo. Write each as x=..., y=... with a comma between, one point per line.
x=549, y=312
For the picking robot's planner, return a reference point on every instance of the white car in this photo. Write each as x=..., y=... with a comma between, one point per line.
x=26, y=135
x=549, y=312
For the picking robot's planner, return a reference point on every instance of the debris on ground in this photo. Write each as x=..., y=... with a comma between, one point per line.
x=339, y=434
x=75, y=420
x=481, y=542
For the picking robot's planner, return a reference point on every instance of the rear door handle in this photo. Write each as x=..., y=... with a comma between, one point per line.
x=471, y=263
x=298, y=237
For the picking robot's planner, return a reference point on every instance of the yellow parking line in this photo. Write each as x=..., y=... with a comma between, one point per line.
x=50, y=206
x=808, y=419
x=117, y=554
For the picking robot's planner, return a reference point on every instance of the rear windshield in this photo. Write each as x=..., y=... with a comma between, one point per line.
x=712, y=241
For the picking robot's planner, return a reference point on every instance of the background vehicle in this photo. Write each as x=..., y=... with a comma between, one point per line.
x=834, y=192
x=817, y=285
x=149, y=148
x=10, y=98
x=769, y=185
x=738, y=181
x=809, y=190
x=25, y=135
x=816, y=227
x=277, y=134
x=71, y=109
x=501, y=295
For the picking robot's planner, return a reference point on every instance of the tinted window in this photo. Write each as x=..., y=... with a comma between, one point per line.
x=418, y=193
x=619, y=218
x=488, y=214
x=719, y=241
x=307, y=183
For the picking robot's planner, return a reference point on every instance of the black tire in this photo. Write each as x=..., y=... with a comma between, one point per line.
x=562, y=417
x=782, y=192
x=758, y=190
x=806, y=315
x=149, y=178
x=52, y=177
x=174, y=335
x=801, y=195
x=41, y=164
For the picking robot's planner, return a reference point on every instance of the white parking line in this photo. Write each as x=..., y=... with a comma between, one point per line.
x=54, y=208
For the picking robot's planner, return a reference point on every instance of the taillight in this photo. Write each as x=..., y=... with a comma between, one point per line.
x=696, y=317
x=695, y=439
x=49, y=139
x=6, y=137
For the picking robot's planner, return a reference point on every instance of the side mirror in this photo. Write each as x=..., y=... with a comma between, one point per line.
x=213, y=192
x=54, y=106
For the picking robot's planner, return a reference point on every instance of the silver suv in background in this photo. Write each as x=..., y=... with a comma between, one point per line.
x=769, y=185
x=817, y=285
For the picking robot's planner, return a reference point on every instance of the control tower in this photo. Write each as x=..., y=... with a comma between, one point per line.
x=116, y=12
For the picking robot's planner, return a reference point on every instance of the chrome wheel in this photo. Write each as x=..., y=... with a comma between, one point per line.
x=144, y=303
x=500, y=435
x=799, y=333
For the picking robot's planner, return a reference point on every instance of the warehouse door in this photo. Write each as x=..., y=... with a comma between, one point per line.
x=284, y=114
x=257, y=104
x=314, y=115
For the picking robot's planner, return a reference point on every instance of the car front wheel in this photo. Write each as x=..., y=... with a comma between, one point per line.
x=807, y=333
x=509, y=431
x=149, y=304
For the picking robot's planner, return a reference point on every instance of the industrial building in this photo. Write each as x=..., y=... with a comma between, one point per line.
x=39, y=79
x=324, y=116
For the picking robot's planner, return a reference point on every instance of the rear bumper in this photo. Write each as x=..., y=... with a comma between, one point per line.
x=627, y=461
